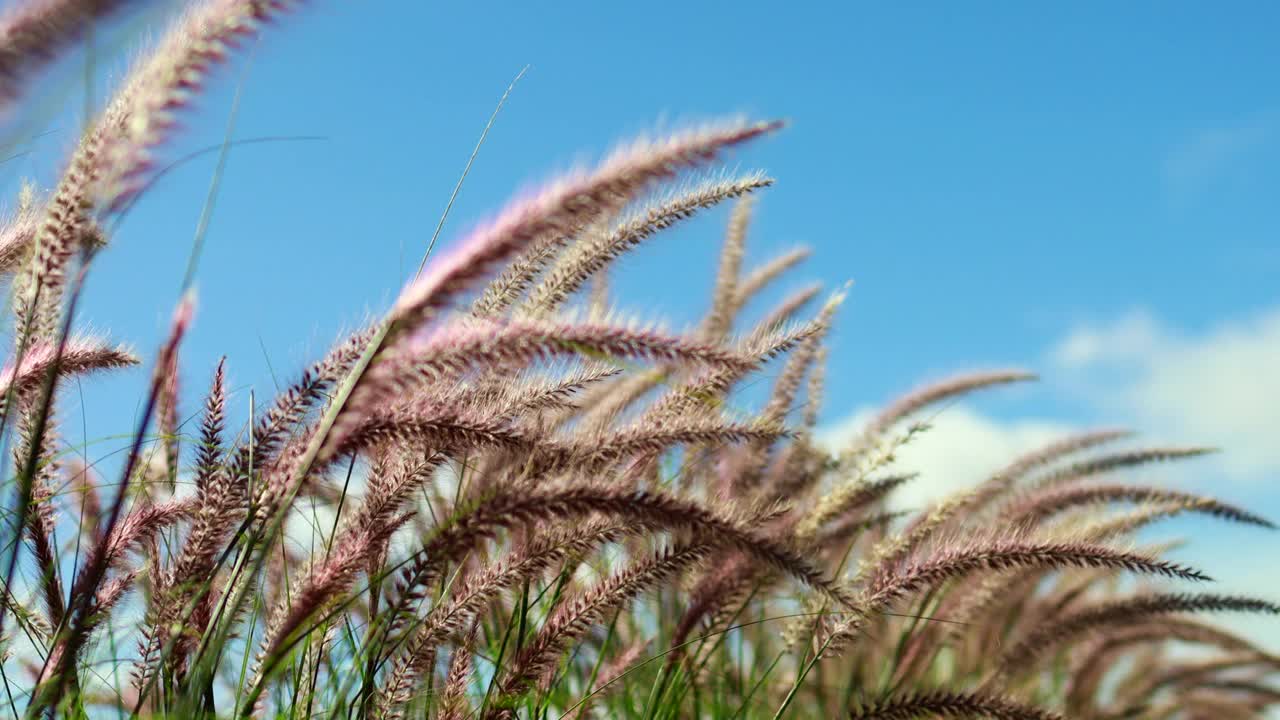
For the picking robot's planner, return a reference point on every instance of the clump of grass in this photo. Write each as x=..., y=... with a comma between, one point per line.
x=542, y=510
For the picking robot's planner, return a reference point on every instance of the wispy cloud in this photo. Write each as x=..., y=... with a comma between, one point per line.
x=1206, y=157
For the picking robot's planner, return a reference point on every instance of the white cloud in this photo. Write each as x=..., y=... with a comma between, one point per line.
x=1220, y=387
x=962, y=447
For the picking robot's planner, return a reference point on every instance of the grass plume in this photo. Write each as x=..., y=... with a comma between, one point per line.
x=505, y=499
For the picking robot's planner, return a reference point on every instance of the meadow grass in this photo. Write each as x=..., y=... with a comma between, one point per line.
x=506, y=499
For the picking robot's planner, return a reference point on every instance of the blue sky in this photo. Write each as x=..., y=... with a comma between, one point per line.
x=1087, y=190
